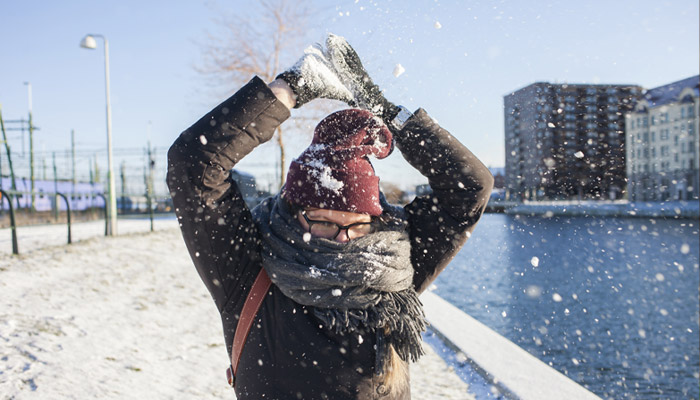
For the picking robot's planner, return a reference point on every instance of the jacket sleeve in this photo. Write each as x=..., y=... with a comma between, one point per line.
x=216, y=223
x=441, y=222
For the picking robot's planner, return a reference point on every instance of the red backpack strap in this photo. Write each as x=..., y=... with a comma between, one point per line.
x=250, y=309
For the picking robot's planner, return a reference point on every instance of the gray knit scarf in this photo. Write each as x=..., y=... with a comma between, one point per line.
x=363, y=285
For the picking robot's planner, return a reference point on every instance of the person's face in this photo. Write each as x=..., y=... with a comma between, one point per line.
x=339, y=218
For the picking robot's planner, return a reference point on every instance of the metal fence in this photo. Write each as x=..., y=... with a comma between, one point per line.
x=68, y=203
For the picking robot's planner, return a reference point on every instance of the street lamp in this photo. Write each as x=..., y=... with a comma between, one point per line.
x=89, y=42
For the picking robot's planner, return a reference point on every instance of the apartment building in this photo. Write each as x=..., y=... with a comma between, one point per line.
x=566, y=141
x=662, y=143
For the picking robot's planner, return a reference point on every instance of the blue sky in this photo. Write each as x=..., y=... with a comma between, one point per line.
x=460, y=59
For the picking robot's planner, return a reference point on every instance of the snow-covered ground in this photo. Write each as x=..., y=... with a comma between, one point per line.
x=39, y=236
x=124, y=318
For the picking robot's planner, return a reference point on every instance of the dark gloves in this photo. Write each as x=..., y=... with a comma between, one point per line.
x=313, y=76
x=354, y=76
x=336, y=72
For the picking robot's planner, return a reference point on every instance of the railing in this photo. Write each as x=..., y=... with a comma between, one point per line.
x=13, y=224
x=12, y=196
x=15, y=200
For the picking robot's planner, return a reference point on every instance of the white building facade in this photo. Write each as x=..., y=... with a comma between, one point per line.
x=663, y=150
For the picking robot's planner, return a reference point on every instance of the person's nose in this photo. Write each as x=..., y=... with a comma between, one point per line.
x=342, y=236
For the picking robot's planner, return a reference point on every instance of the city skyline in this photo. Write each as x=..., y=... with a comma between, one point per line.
x=459, y=60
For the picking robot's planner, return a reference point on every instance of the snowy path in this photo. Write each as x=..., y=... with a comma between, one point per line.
x=39, y=236
x=126, y=318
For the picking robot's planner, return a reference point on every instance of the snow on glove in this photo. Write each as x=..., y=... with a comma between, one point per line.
x=313, y=76
x=349, y=68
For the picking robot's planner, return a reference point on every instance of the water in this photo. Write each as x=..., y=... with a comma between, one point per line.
x=612, y=303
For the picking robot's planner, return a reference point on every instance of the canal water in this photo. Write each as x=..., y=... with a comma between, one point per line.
x=610, y=302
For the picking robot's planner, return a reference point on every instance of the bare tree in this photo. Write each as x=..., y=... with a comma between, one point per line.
x=257, y=45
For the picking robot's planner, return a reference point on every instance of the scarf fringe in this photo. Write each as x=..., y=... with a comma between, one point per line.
x=399, y=313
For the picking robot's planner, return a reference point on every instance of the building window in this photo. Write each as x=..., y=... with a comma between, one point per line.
x=663, y=134
x=653, y=136
x=653, y=120
x=682, y=112
x=691, y=112
x=675, y=140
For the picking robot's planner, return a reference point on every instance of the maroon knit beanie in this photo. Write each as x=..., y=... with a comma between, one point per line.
x=334, y=172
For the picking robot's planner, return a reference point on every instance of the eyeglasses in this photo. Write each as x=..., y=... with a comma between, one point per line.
x=331, y=230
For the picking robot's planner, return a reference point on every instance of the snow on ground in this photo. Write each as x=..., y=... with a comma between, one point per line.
x=125, y=317
x=38, y=236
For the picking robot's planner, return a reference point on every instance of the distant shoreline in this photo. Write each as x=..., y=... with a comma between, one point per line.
x=591, y=208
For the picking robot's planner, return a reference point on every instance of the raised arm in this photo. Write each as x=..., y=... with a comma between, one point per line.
x=216, y=223
x=442, y=221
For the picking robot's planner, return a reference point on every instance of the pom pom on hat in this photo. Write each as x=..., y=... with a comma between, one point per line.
x=334, y=172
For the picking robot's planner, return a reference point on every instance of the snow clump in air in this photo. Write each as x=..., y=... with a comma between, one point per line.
x=535, y=262
x=398, y=70
x=533, y=291
x=437, y=25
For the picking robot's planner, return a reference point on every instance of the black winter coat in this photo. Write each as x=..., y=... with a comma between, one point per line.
x=287, y=354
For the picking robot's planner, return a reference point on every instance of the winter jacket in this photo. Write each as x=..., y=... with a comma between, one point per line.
x=287, y=354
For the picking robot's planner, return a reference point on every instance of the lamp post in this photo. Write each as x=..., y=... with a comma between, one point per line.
x=31, y=147
x=89, y=42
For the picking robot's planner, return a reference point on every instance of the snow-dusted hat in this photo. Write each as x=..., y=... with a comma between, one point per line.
x=334, y=172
